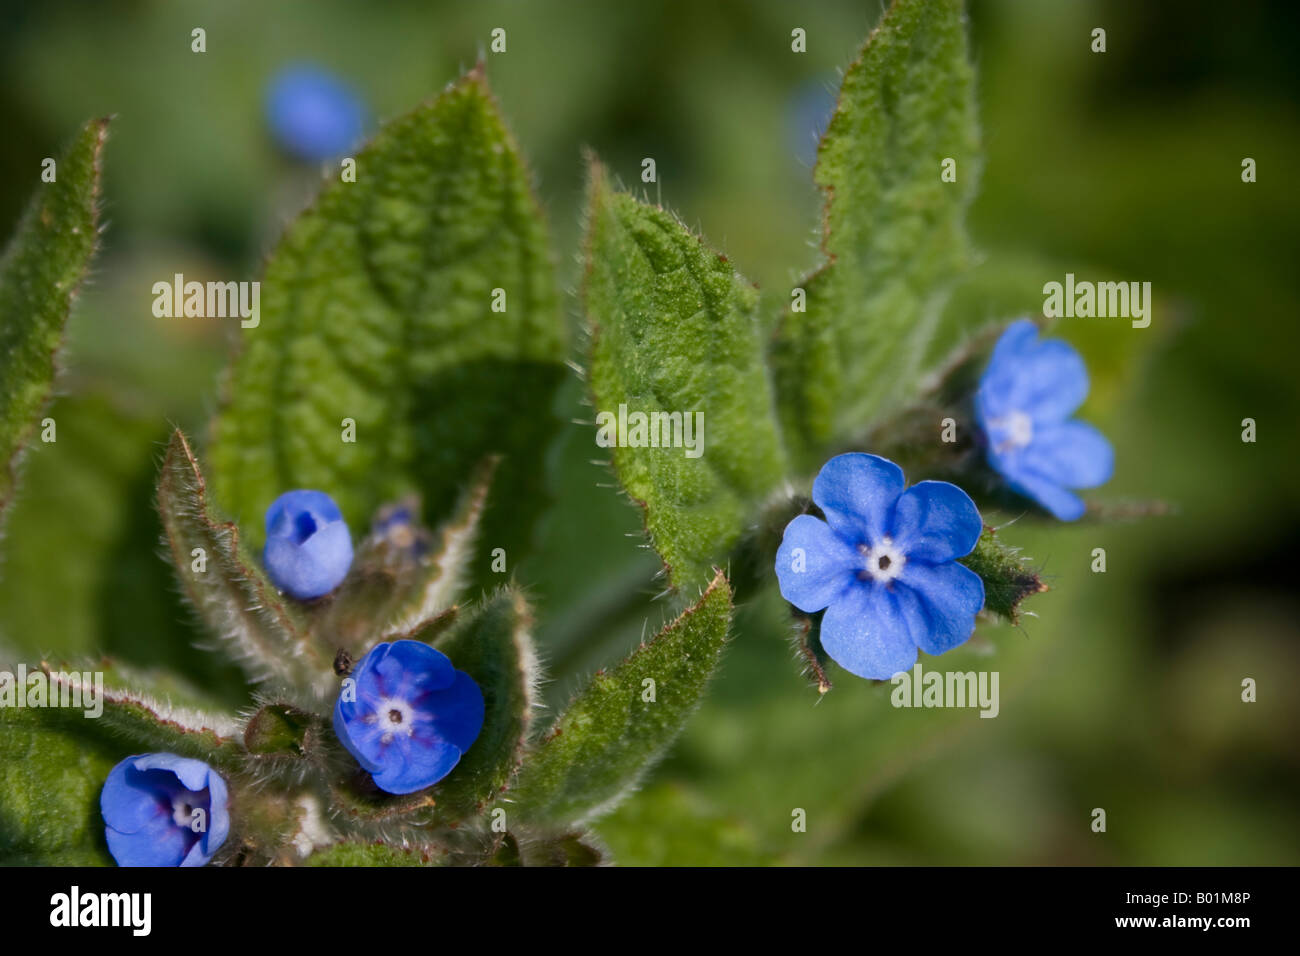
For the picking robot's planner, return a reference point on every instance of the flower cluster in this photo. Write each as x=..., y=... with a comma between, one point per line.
x=883, y=565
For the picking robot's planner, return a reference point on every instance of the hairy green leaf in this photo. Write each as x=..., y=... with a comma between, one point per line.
x=569, y=849
x=49, y=794
x=241, y=607
x=378, y=307
x=674, y=333
x=41, y=270
x=494, y=646
x=356, y=853
x=893, y=228
x=625, y=720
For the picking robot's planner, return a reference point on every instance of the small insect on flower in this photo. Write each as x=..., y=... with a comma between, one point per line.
x=410, y=715
x=313, y=114
x=164, y=810
x=884, y=565
x=1025, y=399
x=308, y=549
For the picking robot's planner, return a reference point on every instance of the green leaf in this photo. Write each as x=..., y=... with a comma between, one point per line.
x=1007, y=581
x=894, y=235
x=377, y=307
x=356, y=853
x=674, y=331
x=495, y=648
x=621, y=724
x=569, y=849
x=240, y=605
x=49, y=794
x=669, y=824
x=41, y=270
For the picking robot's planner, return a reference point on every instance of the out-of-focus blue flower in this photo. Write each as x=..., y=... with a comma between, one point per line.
x=1024, y=403
x=308, y=549
x=313, y=114
x=883, y=565
x=164, y=810
x=809, y=113
x=398, y=525
x=410, y=716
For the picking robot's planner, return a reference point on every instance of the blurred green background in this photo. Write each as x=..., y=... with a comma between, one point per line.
x=1122, y=692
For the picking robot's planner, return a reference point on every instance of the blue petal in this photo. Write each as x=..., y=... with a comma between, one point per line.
x=163, y=844
x=421, y=665
x=190, y=772
x=935, y=521
x=457, y=711
x=1063, y=504
x=828, y=564
x=131, y=800
x=1071, y=454
x=857, y=493
x=218, y=817
x=357, y=737
x=1045, y=380
x=939, y=603
x=286, y=509
x=865, y=633
x=416, y=763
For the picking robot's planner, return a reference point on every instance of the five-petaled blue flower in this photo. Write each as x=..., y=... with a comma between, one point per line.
x=164, y=810
x=308, y=549
x=1025, y=399
x=883, y=565
x=410, y=715
x=313, y=114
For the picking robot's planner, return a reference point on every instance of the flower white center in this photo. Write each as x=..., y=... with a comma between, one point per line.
x=1017, y=429
x=882, y=561
x=394, y=717
x=183, y=807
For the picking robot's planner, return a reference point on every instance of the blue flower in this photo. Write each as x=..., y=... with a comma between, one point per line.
x=313, y=114
x=164, y=810
x=410, y=716
x=308, y=549
x=1023, y=406
x=883, y=565
x=398, y=526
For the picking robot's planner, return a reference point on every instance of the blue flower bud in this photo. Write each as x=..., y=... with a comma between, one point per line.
x=308, y=549
x=164, y=810
x=408, y=715
x=884, y=565
x=313, y=115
